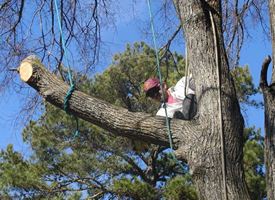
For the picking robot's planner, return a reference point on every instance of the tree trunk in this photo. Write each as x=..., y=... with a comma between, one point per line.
x=207, y=173
x=197, y=141
x=272, y=29
x=269, y=102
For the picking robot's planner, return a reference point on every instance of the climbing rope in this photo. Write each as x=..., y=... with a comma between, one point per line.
x=186, y=71
x=70, y=77
x=169, y=133
x=223, y=158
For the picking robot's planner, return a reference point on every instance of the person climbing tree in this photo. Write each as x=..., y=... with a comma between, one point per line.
x=180, y=100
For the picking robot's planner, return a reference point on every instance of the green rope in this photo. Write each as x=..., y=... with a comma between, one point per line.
x=63, y=44
x=68, y=97
x=169, y=133
x=72, y=85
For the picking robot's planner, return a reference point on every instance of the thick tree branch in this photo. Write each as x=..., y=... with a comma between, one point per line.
x=118, y=120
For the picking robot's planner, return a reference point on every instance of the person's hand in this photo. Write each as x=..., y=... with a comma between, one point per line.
x=165, y=90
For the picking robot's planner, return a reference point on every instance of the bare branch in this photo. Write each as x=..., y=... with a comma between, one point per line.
x=235, y=23
x=263, y=81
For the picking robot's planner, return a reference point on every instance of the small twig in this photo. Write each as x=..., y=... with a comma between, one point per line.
x=14, y=69
x=96, y=195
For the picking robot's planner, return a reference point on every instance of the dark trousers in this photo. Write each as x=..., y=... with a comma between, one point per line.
x=189, y=108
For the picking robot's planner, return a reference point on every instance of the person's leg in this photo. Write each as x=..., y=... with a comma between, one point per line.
x=189, y=108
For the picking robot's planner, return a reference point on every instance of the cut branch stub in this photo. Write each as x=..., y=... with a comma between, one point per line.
x=25, y=71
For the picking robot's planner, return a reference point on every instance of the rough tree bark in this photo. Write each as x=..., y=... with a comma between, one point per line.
x=269, y=102
x=197, y=141
x=201, y=47
x=271, y=6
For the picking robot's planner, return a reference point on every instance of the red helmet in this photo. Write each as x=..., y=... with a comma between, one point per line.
x=150, y=83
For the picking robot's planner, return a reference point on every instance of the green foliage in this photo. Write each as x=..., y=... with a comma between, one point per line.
x=22, y=176
x=244, y=86
x=122, y=82
x=254, y=163
x=179, y=188
x=74, y=163
x=135, y=189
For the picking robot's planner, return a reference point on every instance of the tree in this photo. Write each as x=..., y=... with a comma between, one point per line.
x=198, y=141
x=254, y=163
x=268, y=93
x=202, y=133
x=60, y=159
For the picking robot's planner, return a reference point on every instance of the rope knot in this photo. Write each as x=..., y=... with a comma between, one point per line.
x=68, y=97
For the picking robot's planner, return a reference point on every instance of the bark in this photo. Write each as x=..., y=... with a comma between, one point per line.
x=272, y=30
x=198, y=141
x=269, y=102
x=194, y=15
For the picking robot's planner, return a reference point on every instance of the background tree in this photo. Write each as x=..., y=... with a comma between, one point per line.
x=268, y=93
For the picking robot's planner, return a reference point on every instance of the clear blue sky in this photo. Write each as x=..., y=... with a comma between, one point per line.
x=128, y=30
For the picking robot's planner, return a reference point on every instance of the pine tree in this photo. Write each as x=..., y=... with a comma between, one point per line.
x=96, y=163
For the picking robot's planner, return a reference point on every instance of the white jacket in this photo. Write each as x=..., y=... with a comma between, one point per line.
x=178, y=95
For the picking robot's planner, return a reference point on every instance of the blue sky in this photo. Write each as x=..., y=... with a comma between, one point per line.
x=253, y=54
x=128, y=30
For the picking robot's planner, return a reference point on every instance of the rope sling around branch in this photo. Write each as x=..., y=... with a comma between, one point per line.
x=167, y=120
x=72, y=85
